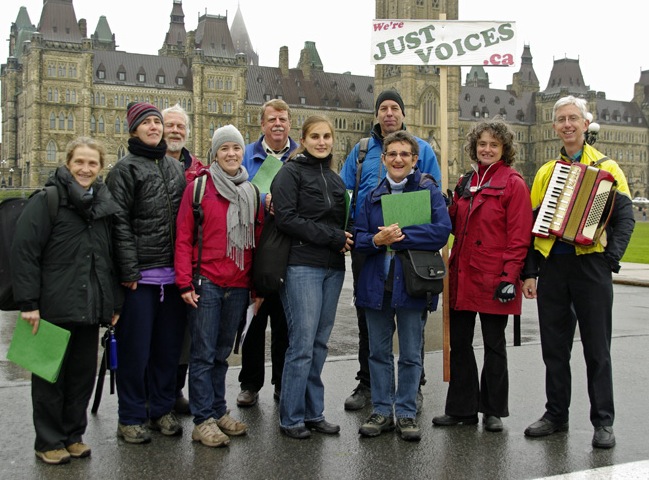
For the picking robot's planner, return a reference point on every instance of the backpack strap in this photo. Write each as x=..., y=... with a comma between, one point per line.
x=52, y=194
x=197, y=198
x=258, y=197
x=363, y=145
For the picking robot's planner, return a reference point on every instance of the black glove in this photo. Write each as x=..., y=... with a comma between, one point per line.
x=448, y=197
x=505, y=292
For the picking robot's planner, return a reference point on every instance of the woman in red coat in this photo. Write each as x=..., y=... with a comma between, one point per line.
x=492, y=222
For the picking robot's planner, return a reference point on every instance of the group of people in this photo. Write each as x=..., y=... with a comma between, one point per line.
x=174, y=276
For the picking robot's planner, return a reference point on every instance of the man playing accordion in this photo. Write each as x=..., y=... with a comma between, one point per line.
x=575, y=286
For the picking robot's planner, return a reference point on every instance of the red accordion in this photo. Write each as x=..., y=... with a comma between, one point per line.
x=575, y=207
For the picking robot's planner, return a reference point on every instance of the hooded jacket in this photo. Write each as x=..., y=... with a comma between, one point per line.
x=65, y=268
x=492, y=229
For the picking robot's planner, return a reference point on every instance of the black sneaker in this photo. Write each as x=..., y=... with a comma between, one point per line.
x=360, y=397
x=408, y=429
x=375, y=425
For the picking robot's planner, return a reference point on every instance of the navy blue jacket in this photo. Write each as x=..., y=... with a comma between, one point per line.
x=429, y=236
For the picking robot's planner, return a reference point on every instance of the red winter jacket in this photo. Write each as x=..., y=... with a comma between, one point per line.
x=215, y=263
x=492, y=229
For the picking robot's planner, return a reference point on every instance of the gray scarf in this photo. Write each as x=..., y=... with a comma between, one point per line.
x=241, y=211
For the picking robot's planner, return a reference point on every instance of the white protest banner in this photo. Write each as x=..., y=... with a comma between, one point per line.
x=443, y=42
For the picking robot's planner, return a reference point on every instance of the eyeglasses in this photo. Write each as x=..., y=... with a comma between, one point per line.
x=570, y=119
x=394, y=155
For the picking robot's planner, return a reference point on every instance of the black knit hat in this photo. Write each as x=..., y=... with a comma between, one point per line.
x=389, y=95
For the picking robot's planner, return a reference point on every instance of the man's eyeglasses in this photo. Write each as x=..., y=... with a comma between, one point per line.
x=394, y=155
x=571, y=119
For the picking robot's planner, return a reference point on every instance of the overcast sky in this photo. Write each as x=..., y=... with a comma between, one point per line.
x=611, y=44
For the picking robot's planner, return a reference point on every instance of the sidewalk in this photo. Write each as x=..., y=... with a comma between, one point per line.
x=445, y=453
x=633, y=274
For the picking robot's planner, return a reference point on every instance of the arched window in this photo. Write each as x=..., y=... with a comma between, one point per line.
x=93, y=124
x=52, y=121
x=70, y=122
x=429, y=109
x=61, y=121
x=51, y=151
x=101, y=125
x=121, y=151
x=118, y=125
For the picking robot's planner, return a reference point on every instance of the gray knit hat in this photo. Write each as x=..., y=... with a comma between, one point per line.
x=227, y=133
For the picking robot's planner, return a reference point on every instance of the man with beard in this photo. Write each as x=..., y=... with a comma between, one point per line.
x=176, y=129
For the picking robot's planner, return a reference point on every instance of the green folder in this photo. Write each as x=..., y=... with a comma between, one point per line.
x=412, y=208
x=267, y=171
x=42, y=354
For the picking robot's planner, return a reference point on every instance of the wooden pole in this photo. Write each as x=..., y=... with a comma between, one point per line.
x=443, y=107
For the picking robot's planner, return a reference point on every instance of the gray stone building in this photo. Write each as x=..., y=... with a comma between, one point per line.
x=61, y=81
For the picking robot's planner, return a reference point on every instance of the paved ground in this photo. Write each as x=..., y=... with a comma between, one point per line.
x=453, y=453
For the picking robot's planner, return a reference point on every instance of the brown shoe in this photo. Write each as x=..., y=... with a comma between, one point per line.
x=78, y=450
x=247, y=398
x=54, y=457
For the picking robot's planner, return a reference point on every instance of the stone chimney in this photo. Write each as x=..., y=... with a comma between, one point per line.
x=83, y=28
x=283, y=61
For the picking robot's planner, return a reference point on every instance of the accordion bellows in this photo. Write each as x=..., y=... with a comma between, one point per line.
x=576, y=204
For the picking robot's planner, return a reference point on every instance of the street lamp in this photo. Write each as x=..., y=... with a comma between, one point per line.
x=11, y=177
x=3, y=182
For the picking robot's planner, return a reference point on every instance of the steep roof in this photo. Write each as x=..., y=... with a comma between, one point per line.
x=478, y=103
x=213, y=37
x=176, y=35
x=152, y=66
x=58, y=22
x=527, y=73
x=24, y=29
x=477, y=77
x=566, y=73
x=103, y=32
x=615, y=112
x=241, y=39
x=321, y=90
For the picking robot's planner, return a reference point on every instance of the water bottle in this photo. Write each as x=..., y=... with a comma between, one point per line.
x=112, y=349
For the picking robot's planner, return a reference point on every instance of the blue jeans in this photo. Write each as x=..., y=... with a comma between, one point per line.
x=310, y=298
x=380, y=328
x=213, y=327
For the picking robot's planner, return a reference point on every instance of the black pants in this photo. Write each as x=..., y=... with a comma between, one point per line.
x=60, y=417
x=363, y=374
x=466, y=395
x=253, y=350
x=577, y=289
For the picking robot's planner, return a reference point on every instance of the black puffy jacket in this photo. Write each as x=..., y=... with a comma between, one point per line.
x=149, y=193
x=309, y=203
x=64, y=268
